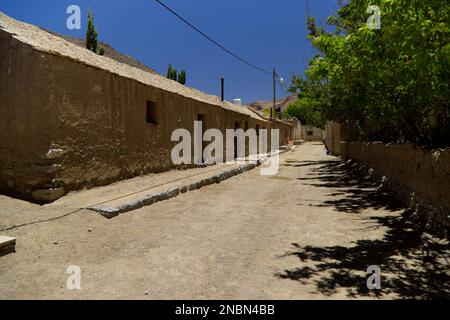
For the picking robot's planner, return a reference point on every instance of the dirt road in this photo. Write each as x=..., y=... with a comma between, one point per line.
x=308, y=233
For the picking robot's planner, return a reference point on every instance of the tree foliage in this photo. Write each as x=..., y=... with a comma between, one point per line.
x=182, y=77
x=91, y=36
x=389, y=83
x=172, y=74
x=304, y=110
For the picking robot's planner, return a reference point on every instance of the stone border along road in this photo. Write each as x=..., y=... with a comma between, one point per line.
x=113, y=211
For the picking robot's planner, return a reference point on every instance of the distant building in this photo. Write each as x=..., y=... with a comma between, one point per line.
x=237, y=102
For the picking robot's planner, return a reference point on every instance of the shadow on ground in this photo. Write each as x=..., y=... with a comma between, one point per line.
x=413, y=264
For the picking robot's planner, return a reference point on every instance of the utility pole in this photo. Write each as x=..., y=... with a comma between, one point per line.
x=273, y=113
x=222, y=81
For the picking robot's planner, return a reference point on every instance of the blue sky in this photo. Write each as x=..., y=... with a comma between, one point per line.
x=268, y=33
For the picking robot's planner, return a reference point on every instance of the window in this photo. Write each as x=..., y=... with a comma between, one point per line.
x=152, y=116
x=257, y=129
x=201, y=118
x=246, y=126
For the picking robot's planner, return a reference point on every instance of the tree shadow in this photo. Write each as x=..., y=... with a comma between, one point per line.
x=306, y=163
x=413, y=264
x=360, y=191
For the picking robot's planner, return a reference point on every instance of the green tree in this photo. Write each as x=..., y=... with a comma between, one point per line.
x=169, y=72
x=172, y=73
x=390, y=84
x=91, y=33
x=267, y=112
x=182, y=77
x=91, y=36
x=303, y=109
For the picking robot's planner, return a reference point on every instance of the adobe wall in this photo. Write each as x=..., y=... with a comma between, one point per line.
x=335, y=133
x=333, y=138
x=297, y=128
x=65, y=125
x=27, y=121
x=317, y=134
x=420, y=177
x=286, y=131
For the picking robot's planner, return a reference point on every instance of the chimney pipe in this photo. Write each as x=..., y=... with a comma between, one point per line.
x=223, y=88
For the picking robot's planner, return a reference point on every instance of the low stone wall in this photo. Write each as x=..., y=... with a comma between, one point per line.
x=419, y=177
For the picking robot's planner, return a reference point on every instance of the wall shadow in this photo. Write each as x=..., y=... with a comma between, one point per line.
x=414, y=265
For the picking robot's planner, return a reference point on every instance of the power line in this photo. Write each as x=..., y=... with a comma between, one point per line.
x=281, y=85
x=211, y=39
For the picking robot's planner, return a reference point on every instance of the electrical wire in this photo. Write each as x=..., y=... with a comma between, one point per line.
x=212, y=40
x=281, y=85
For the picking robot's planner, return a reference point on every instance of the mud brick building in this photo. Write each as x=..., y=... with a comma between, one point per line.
x=70, y=119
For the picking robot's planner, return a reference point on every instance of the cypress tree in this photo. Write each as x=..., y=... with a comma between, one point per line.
x=174, y=74
x=169, y=72
x=182, y=77
x=91, y=34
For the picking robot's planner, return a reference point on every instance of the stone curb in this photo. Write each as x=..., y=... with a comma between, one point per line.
x=7, y=245
x=111, y=212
